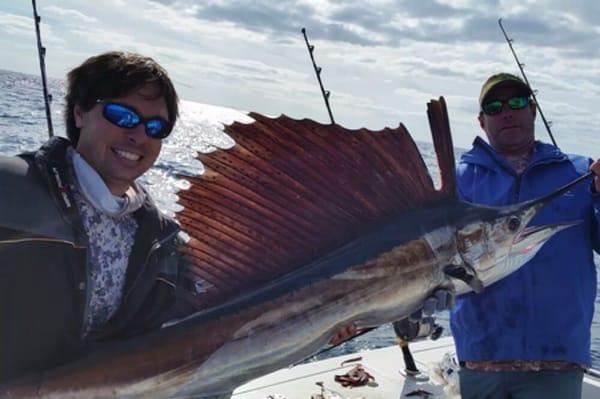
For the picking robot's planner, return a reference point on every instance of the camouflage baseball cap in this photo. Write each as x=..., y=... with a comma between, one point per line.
x=504, y=79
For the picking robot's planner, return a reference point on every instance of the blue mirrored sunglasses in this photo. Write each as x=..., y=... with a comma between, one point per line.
x=128, y=118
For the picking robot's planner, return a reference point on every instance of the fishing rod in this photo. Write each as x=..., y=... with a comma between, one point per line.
x=42, y=57
x=325, y=93
x=521, y=65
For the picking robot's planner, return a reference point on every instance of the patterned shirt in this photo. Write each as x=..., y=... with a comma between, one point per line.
x=110, y=242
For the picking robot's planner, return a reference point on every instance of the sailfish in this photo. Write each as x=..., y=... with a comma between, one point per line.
x=296, y=231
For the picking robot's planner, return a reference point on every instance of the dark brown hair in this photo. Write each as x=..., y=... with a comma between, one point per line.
x=114, y=74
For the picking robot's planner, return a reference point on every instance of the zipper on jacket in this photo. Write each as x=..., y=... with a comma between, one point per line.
x=62, y=188
x=157, y=244
x=517, y=193
x=88, y=293
x=52, y=169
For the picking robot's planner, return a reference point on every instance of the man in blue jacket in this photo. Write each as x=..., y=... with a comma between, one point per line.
x=528, y=335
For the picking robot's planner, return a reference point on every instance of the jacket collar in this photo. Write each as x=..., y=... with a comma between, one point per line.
x=485, y=155
x=51, y=160
x=53, y=152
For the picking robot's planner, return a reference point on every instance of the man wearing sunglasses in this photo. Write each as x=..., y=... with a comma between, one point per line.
x=85, y=254
x=528, y=335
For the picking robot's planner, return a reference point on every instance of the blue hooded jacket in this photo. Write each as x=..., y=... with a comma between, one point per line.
x=544, y=310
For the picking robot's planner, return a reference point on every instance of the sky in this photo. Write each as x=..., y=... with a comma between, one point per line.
x=382, y=60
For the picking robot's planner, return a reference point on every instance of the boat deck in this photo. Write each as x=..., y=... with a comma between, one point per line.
x=384, y=364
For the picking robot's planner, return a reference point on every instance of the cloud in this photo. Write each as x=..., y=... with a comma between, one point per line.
x=16, y=25
x=386, y=24
x=69, y=15
x=393, y=23
x=283, y=18
x=382, y=60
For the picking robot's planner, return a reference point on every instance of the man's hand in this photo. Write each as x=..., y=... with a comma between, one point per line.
x=441, y=299
x=595, y=167
x=418, y=325
x=409, y=330
x=345, y=333
x=421, y=324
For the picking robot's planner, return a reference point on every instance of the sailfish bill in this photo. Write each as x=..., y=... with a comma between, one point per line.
x=298, y=230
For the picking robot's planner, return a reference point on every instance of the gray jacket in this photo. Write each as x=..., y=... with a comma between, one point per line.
x=44, y=267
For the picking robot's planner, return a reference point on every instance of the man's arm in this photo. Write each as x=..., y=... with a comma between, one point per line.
x=595, y=189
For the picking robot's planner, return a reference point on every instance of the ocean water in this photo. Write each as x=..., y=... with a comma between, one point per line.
x=23, y=128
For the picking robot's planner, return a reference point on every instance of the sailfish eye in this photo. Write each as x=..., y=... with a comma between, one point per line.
x=514, y=223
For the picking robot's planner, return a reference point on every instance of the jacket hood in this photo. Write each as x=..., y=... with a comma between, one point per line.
x=53, y=152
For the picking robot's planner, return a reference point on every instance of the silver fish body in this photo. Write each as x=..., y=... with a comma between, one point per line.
x=210, y=353
x=340, y=227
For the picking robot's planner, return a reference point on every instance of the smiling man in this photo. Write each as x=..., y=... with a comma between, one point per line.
x=528, y=335
x=85, y=255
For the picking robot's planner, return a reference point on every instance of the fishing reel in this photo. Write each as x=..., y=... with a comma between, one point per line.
x=411, y=330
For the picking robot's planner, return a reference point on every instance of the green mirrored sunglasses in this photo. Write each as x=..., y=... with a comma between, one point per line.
x=495, y=106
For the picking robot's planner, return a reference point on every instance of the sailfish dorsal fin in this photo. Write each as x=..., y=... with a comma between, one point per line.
x=442, y=142
x=291, y=191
